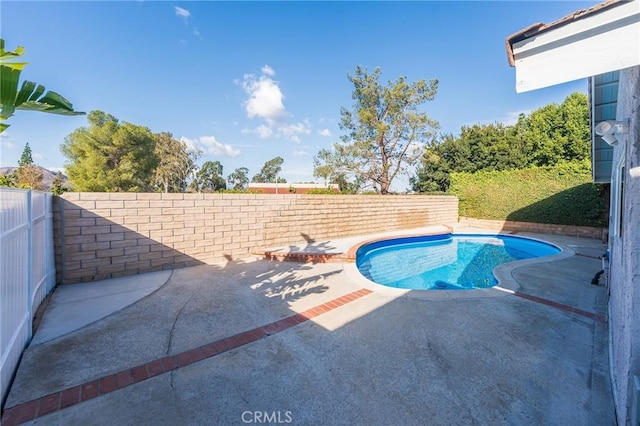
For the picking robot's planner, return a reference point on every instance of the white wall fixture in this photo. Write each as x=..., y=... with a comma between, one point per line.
x=608, y=131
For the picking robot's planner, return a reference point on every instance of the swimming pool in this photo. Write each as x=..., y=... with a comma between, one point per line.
x=445, y=262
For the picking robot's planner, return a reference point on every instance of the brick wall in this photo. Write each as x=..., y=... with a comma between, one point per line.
x=104, y=235
x=544, y=228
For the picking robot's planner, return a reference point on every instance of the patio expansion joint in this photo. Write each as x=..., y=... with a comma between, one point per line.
x=74, y=395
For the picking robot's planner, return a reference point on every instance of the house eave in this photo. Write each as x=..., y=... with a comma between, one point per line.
x=586, y=43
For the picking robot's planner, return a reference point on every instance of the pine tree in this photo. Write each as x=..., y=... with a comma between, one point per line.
x=386, y=130
x=110, y=156
x=26, y=157
x=28, y=175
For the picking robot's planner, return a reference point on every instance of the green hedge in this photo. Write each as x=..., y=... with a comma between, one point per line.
x=562, y=194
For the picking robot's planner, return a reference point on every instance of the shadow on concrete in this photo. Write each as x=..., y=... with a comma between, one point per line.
x=283, y=281
x=89, y=247
x=381, y=359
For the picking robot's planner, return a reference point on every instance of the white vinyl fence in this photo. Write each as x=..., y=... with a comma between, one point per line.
x=27, y=271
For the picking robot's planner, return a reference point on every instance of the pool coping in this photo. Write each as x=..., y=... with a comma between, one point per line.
x=507, y=284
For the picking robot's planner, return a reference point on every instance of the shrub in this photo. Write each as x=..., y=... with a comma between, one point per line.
x=322, y=191
x=562, y=194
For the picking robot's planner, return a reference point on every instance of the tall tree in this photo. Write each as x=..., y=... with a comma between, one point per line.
x=109, y=156
x=547, y=136
x=270, y=171
x=479, y=147
x=26, y=157
x=348, y=186
x=30, y=96
x=176, y=163
x=324, y=167
x=239, y=178
x=209, y=177
x=433, y=173
x=556, y=133
x=324, y=172
x=28, y=175
x=385, y=129
x=577, y=129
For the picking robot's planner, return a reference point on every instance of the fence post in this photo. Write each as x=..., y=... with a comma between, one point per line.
x=29, y=262
x=50, y=262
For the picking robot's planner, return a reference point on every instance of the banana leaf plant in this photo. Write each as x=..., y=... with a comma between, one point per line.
x=30, y=96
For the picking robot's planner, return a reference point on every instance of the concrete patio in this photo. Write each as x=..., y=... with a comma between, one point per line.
x=258, y=341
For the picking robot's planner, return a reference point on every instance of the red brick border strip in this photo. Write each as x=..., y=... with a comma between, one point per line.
x=74, y=395
x=561, y=306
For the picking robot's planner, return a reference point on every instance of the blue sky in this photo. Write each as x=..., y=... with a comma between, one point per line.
x=248, y=81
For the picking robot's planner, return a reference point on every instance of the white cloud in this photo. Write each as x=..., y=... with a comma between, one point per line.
x=265, y=98
x=6, y=140
x=291, y=131
x=297, y=128
x=263, y=131
x=196, y=32
x=325, y=133
x=218, y=148
x=182, y=13
x=265, y=101
x=267, y=70
x=37, y=156
x=210, y=145
x=190, y=143
x=299, y=153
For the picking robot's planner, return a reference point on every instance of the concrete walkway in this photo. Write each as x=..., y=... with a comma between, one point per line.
x=75, y=306
x=262, y=341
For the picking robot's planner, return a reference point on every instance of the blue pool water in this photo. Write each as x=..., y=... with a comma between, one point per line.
x=444, y=262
